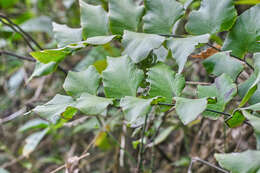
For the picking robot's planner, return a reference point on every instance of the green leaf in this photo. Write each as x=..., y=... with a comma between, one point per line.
x=124, y=15
x=51, y=55
x=135, y=109
x=92, y=105
x=181, y=48
x=65, y=35
x=86, y=81
x=245, y=33
x=33, y=124
x=247, y=2
x=139, y=45
x=162, y=136
x=121, y=77
x=220, y=63
x=55, y=107
x=254, y=86
x=32, y=141
x=41, y=69
x=164, y=82
x=94, y=20
x=189, y=109
x=245, y=162
x=212, y=17
x=57, y=55
x=223, y=89
x=161, y=15
x=236, y=119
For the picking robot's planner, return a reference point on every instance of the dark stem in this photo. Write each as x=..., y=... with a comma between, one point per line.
x=17, y=56
x=15, y=30
x=25, y=34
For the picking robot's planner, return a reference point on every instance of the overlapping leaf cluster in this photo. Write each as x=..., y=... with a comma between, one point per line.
x=146, y=31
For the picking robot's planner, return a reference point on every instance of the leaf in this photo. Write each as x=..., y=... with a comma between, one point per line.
x=41, y=69
x=162, y=136
x=189, y=109
x=135, y=109
x=245, y=33
x=86, y=81
x=32, y=141
x=65, y=35
x=247, y=2
x=124, y=15
x=92, y=105
x=164, y=82
x=55, y=107
x=138, y=45
x=181, y=48
x=34, y=123
x=99, y=40
x=236, y=119
x=161, y=53
x=51, y=55
x=245, y=162
x=212, y=17
x=255, y=122
x=161, y=15
x=57, y=55
x=93, y=19
x=2, y=170
x=121, y=77
x=253, y=87
x=220, y=63
x=223, y=89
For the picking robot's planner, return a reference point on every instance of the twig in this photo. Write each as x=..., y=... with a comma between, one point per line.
x=17, y=56
x=197, y=83
x=12, y=162
x=206, y=163
x=13, y=116
x=140, y=154
x=15, y=30
x=25, y=34
x=64, y=166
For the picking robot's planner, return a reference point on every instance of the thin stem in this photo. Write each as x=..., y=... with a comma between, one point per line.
x=17, y=56
x=218, y=112
x=197, y=83
x=15, y=30
x=21, y=30
x=206, y=163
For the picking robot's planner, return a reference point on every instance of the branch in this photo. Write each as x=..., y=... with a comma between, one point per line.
x=17, y=56
x=195, y=159
x=22, y=32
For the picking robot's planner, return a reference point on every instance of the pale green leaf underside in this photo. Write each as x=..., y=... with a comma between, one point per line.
x=223, y=89
x=212, y=17
x=161, y=15
x=245, y=34
x=164, y=82
x=220, y=63
x=121, y=77
x=135, y=109
x=189, y=109
x=245, y=162
x=41, y=69
x=181, y=48
x=65, y=35
x=138, y=45
x=86, y=81
x=92, y=105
